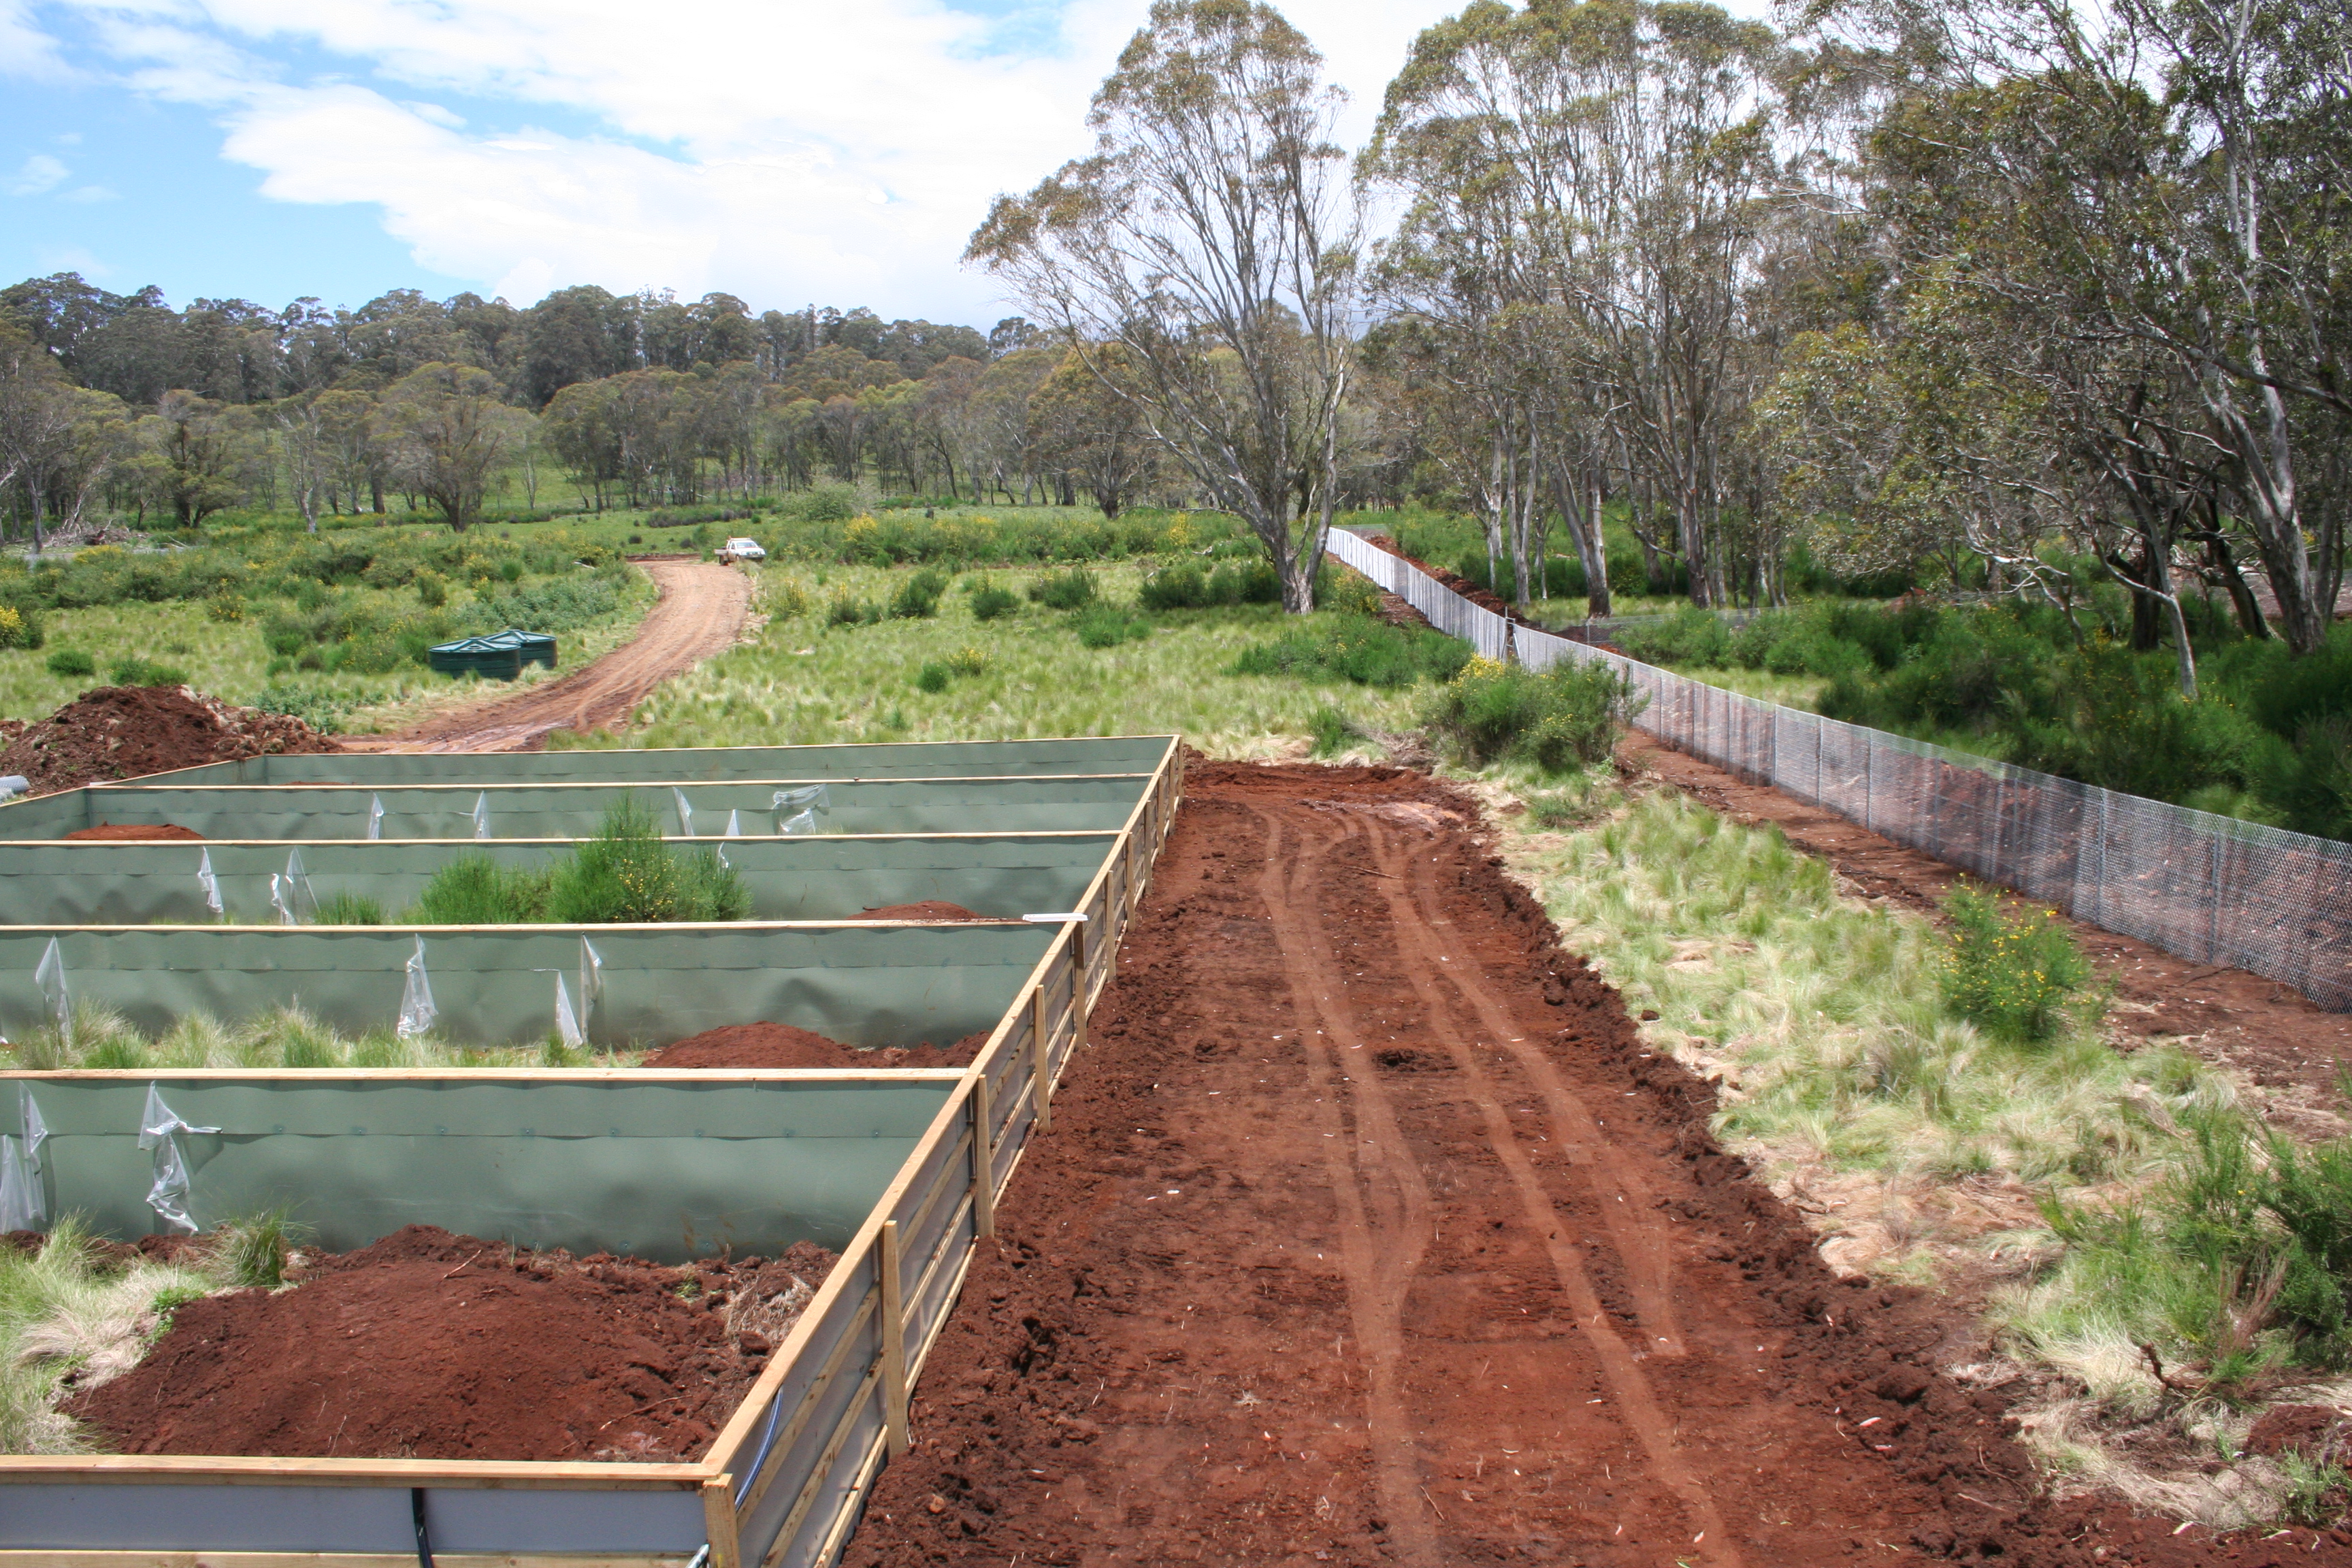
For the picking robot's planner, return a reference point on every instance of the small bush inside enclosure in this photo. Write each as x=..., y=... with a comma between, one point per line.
x=1566, y=718
x=350, y=909
x=69, y=662
x=1071, y=590
x=626, y=873
x=474, y=889
x=2014, y=974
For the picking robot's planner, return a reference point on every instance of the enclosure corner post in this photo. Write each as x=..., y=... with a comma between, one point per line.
x=894, y=1344
x=718, y=1522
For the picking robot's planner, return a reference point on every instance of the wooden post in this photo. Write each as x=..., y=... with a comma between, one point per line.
x=894, y=1344
x=983, y=1160
x=718, y=1525
x=1041, y=1060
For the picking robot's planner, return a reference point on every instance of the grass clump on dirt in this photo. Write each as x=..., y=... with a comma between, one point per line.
x=350, y=909
x=288, y=1037
x=75, y=1314
x=625, y=873
x=1560, y=720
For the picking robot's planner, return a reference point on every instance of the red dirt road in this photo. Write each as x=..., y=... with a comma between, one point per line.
x=701, y=609
x=1367, y=1233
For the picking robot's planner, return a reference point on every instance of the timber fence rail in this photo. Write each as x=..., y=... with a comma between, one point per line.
x=2208, y=888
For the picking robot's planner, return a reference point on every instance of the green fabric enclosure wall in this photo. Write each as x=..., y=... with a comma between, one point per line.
x=657, y=1168
x=942, y=759
x=796, y=878
x=574, y=811
x=863, y=985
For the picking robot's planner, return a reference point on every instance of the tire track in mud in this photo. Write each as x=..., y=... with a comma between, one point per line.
x=1325, y=1260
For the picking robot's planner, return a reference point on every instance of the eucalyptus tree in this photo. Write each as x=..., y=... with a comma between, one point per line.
x=1213, y=237
x=2173, y=175
x=447, y=427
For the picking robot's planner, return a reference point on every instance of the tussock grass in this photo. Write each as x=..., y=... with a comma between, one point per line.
x=288, y=1037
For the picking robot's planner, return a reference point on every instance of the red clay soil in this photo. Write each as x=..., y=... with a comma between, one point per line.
x=115, y=832
x=2272, y=1034
x=123, y=731
x=783, y=1045
x=1368, y=1233
x=924, y=910
x=433, y=1346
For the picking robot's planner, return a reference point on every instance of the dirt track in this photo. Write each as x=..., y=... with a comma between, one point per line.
x=701, y=608
x=1367, y=1233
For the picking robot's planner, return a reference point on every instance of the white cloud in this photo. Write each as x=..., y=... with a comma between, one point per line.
x=782, y=150
x=39, y=174
x=86, y=195
x=24, y=49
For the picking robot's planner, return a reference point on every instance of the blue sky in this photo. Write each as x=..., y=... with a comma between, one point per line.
x=783, y=150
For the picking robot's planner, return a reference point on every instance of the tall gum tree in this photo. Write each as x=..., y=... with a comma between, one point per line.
x=1213, y=237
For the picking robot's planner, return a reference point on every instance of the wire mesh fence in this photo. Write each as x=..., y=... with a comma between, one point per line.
x=2208, y=888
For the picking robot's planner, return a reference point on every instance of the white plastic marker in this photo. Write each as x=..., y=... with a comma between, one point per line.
x=734, y=823
x=482, y=815
x=591, y=978
x=208, y=882
x=375, y=817
x=567, y=1022
x=159, y=1129
x=416, y=1009
x=49, y=974
x=685, y=812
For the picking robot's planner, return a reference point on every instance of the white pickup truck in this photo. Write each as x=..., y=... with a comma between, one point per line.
x=741, y=549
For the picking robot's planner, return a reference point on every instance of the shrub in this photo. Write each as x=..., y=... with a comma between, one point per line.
x=20, y=627
x=1107, y=626
x=1689, y=635
x=71, y=661
x=1566, y=717
x=1332, y=730
x=1186, y=587
x=967, y=660
x=2011, y=975
x=431, y=590
x=475, y=891
x=322, y=711
x=990, y=602
x=225, y=608
x=350, y=909
x=1067, y=590
x=919, y=597
x=787, y=601
x=931, y=678
x=1363, y=651
x=626, y=873
x=848, y=610
x=138, y=671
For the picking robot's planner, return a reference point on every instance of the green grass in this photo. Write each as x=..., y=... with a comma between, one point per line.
x=288, y=1037
x=227, y=659
x=805, y=682
x=1800, y=691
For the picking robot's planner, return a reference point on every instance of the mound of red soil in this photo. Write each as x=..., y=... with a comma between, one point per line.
x=924, y=910
x=124, y=732
x=783, y=1045
x=448, y=1347
x=118, y=831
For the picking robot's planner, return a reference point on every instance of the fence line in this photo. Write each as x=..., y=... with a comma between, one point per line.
x=2208, y=888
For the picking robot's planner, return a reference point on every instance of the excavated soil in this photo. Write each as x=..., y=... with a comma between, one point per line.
x=433, y=1346
x=1368, y=1233
x=115, y=832
x=924, y=910
x=783, y=1045
x=2272, y=1034
x=124, y=732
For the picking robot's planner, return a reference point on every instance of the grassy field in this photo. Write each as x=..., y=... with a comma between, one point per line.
x=801, y=681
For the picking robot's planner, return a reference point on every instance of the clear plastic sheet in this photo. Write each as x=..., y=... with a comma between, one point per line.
x=685, y=813
x=208, y=882
x=49, y=974
x=797, y=809
x=481, y=815
x=159, y=1131
x=375, y=817
x=416, y=1009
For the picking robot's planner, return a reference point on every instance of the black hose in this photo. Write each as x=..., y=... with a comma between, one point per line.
x=424, y=1536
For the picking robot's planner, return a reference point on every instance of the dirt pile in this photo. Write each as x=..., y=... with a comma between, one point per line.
x=429, y=1345
x=924, y=910
x=124, y=732
x=783, y=1045
x=1368, y=1233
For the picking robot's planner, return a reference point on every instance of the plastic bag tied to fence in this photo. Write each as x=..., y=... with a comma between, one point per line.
x=159, y=1130
x=482, y=815
x=416, y=1009
x=291, y=897
x=49, y=974
x=208, y=882
x=23, y=1204
x=375, y=817
x=797, y=809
